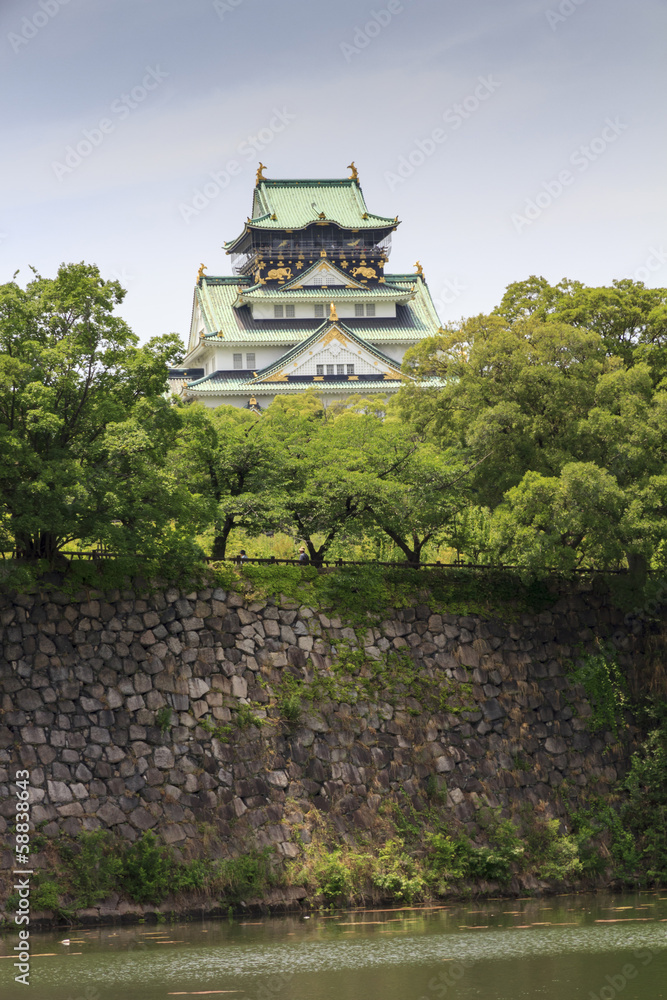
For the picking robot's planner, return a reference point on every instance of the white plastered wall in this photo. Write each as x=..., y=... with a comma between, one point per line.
x=306, y=310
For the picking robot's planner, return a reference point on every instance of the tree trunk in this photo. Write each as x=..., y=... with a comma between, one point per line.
x=637, y=569
x=43, y=545
x=412, y=555
x=220, y=541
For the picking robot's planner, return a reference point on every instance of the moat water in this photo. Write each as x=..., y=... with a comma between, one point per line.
x=563, y=948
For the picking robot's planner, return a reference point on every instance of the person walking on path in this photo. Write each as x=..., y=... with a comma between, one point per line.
x=303, y=556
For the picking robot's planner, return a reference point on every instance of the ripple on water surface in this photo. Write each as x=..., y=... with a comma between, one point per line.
x=358, y=952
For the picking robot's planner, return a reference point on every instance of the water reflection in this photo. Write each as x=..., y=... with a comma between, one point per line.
x=559, y=949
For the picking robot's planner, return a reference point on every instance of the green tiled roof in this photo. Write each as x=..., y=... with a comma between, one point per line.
x=225, y=324
x=314, y=337
x=330, y=293
x=242, y=387
x=288, y=204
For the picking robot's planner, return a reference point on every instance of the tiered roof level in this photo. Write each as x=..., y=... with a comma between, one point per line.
x=310, y=304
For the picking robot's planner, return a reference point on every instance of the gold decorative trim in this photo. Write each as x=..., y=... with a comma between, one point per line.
x=334, y=334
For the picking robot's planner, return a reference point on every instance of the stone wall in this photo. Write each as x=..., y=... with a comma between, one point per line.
x=83, y=683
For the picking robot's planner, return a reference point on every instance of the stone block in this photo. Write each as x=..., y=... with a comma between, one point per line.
x=110, y=814
x=142, y=819
x=555, y=745
x=278, y=779
x=32, y=735
x=58, y=791
x=198, y=687
x=28, y=700
x=239, y=687
x=164, y=758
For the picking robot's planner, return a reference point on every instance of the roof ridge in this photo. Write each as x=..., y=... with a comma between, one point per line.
x=307, y=180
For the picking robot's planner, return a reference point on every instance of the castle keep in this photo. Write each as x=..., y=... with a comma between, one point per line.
x=310, y=303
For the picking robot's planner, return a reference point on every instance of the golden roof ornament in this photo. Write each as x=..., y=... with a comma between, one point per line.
x=200, y=272
x=354, y=176
x=419, y=268
x=333, y=315
x=260, y=172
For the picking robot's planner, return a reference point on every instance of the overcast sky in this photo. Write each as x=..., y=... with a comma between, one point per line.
x=511, y=137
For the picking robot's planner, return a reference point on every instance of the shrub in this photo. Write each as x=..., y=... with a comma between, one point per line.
x=605, y=686
x=163, y=719
x=245, y=717
x=245, y=877
x=645, y=814
x=289, y=707
x=148, y=870
x=47, y=897
x=192, y=875
x=93, y=866
x=554, y=855
x=450, y=859
x=397, y=874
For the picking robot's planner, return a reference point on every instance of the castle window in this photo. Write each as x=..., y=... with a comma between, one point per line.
x=250, y=361
x=350, y=369
x=358, y=309
x=370, y=310
x=319, y=312
x=320, y=369
x=340, y=369
x=277, y=312
x=238, y=361
x=330, y=369
x=289, y=312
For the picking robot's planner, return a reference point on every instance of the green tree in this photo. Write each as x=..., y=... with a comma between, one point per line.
x=630, y=318
x=514, y=394
x=563, y=522
x=570, y=419
x=418, y=502
x=69, y=370
x=226, y=457
x=325, y=473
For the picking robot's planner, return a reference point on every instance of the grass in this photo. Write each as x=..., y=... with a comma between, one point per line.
x=422, y=859
x=358, y=593
x=363, y=593
x=86, y=870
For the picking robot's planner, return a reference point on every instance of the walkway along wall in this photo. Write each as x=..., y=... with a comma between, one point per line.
x=491, y=720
